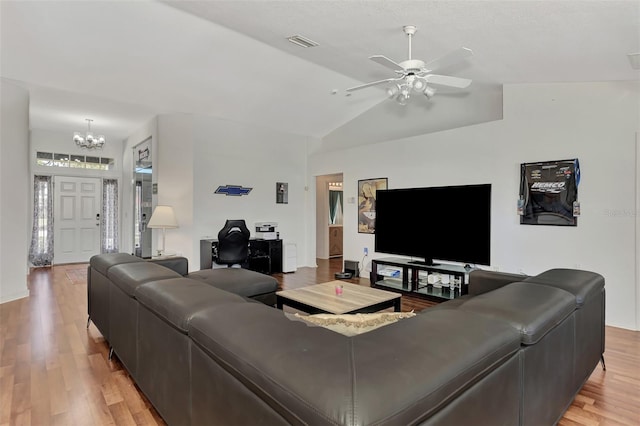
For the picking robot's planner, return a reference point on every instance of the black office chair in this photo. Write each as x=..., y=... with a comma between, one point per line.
x=233, y=243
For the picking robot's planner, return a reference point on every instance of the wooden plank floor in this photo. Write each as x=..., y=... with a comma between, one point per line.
x=55, y=371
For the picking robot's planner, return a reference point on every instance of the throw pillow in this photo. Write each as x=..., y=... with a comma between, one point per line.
x=354, y=324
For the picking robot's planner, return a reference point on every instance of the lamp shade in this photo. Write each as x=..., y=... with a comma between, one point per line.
x=163, y=217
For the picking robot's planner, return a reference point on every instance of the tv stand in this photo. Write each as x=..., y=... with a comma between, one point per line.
x=423, y=262
x=437, y=282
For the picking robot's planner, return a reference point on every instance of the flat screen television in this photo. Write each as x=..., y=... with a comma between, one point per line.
x=448, y=223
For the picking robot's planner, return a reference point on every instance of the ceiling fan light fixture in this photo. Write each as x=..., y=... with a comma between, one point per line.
x=419, y=85
x=393, y=91
x=416, y=75
x=402, y=99
x=429, y=92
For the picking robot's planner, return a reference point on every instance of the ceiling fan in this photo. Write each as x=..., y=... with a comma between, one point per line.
x=416, y=75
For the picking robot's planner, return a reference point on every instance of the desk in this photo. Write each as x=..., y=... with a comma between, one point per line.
x=264, y=255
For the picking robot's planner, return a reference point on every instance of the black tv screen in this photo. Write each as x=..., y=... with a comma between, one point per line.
x=449, y=223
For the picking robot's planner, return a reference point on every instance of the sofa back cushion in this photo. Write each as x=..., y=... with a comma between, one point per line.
x=102, y=262
x=176, y=300
x=481, y=281
x=582, y=284
x=532, y=309
x=128, y=276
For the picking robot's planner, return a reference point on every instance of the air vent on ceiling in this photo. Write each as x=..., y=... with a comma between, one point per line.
x=302, y=41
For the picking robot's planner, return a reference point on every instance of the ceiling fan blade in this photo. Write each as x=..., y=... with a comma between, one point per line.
x=445, y=80
x=386, y=62
x=449, y=59
x=373, y=83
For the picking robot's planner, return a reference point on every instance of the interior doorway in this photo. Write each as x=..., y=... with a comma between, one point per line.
x=329, y=216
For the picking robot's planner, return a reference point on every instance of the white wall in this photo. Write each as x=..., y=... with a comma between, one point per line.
x=594, y=122
x=15, y=216
x=175, y=173
x=198, y=153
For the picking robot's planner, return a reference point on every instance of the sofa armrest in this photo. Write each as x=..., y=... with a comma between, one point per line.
x=481, y=281
x=178, y=264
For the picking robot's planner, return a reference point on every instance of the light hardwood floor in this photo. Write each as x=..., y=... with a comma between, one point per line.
x=55, y=371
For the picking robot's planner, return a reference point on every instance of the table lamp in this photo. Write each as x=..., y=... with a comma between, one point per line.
x=163, y=217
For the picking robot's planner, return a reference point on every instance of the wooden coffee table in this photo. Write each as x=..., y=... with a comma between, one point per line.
x=322, y=298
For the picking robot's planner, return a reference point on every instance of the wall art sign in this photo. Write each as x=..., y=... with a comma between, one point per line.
x=234, y=190
x=549, y=193
x=282, y=193
x=367, y=203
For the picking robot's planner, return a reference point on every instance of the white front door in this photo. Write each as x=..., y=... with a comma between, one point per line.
x=76, y=219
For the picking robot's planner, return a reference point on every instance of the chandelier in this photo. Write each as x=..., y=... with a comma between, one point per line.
x=88, y=140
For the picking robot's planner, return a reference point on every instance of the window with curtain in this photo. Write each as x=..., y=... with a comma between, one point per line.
x=109, y=237
x=41, y=248
x=335, y=207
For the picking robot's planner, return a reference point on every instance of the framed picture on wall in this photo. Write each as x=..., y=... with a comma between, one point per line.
x=282, y=193
x=367, y=203
x=549, y=193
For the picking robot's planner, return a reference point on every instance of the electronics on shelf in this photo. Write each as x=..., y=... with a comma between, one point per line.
x=266, y=230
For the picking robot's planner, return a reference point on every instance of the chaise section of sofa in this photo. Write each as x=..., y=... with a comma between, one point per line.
x=166, y=308
x=98, y=287
x=123, y=318
x=403, y=373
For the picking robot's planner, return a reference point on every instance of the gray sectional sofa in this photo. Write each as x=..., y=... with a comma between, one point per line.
x=515, y=351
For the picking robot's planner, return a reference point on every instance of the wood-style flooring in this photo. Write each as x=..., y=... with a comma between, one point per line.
x=55, y=371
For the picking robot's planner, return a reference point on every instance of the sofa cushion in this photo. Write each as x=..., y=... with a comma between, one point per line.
x=582, y=284
x=481, y=281
x=179, y=264
x=364, y=378
x=237, y=280
x=532, y=309
x=175, y=300
x=102, y=262
x=128, y=276
x=354, y=324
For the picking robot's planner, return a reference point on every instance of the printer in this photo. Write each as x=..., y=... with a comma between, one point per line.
x=266, y=230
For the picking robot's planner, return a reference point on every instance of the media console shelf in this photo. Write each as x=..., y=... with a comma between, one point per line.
x=265, y=256
x=437, y=282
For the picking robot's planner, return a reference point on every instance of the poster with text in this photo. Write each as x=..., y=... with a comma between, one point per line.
x=549, y=193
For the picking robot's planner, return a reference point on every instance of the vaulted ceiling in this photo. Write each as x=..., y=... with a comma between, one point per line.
x=122, y=62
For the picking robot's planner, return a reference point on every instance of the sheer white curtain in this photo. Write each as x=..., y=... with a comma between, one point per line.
x=337, y=219
x=41, y=248
x=109, y=237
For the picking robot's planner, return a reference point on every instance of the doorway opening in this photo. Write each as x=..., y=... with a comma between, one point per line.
x=329, y=216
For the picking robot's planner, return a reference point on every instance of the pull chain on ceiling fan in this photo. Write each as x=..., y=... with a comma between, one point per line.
x=416, y=75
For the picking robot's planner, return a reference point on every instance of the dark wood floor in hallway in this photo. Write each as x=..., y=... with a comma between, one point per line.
x=55, y=371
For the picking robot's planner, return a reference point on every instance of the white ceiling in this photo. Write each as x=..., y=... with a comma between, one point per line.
x=122, y=62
